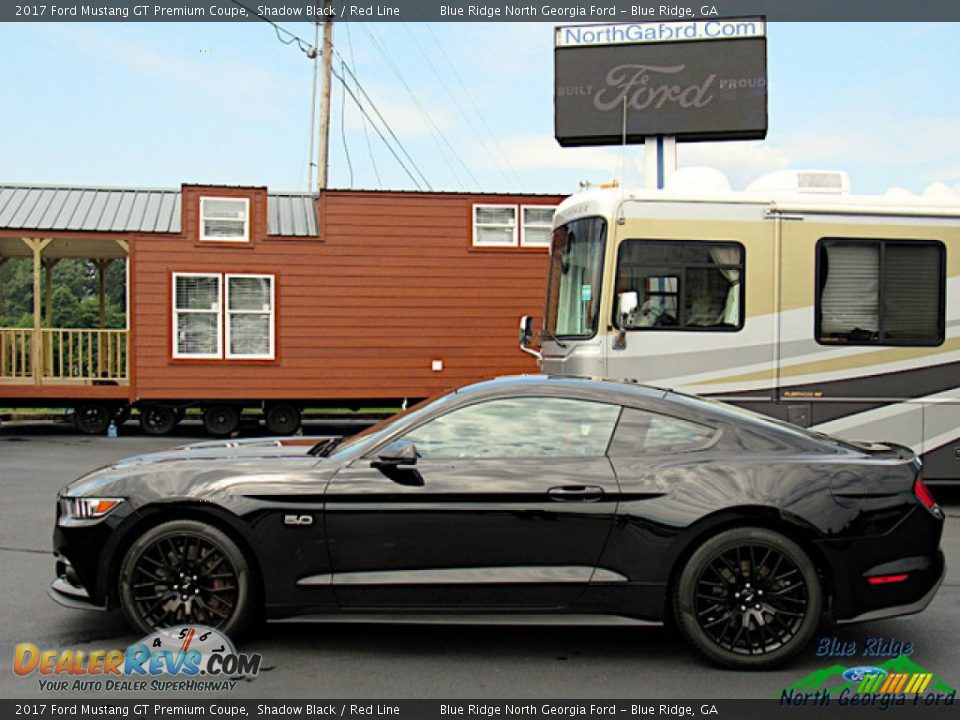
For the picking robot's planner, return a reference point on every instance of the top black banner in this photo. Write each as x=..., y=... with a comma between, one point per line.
x=554, y=11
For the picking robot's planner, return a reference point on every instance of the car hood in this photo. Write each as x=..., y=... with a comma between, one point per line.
x=208, y=470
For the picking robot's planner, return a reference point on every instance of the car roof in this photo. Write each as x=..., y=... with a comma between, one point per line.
x=602, y=389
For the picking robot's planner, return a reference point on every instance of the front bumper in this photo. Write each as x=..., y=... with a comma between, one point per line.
x=66, y=590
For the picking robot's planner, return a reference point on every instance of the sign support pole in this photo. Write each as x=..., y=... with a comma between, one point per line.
x=660, y=160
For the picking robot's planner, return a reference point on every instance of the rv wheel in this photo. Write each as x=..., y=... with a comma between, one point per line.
x=221, y=420
x=92, y=418
x=157, y=419
x=283, y=419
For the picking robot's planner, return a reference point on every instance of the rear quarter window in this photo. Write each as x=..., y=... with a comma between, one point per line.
x=640, y=432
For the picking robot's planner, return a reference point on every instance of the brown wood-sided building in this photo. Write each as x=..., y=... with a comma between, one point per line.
x=240, y=298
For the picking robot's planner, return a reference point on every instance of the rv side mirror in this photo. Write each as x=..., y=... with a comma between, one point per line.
x=627, y=302
x=526, y=330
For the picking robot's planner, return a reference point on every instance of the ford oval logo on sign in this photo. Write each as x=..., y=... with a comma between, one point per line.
x=856, y=674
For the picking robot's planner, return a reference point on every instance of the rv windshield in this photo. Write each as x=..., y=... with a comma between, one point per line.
x=576, y=268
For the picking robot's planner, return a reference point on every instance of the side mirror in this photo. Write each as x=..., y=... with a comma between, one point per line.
x=627, y=302
x=399, y=452
x=526, y=330
x=396, y=461
x=525, y=336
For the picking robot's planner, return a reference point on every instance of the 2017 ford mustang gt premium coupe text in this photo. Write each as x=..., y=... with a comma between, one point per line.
x=523, y=499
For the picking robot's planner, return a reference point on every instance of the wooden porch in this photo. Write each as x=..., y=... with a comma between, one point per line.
x=43, y=355
x=63, y=356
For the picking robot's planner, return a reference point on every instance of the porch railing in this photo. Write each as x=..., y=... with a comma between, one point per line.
x=16, y=354
x=67, y=355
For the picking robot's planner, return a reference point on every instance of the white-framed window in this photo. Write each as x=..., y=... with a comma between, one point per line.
x=494, y=225
x=230, y=316
x=197, y=321
x=537, y=225
x=250, y=317
x=225, y=219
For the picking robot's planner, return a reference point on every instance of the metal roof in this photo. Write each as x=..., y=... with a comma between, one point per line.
x=148, y=210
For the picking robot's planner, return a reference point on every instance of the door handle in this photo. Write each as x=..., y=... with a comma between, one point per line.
x=570, y=493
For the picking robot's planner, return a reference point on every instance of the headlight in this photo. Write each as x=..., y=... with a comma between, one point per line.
x=85, y=511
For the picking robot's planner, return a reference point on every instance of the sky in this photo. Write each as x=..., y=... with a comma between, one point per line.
x=159, y=104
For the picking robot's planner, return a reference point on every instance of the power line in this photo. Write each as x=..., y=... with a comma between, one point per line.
x=376, y=110
x=459, y=106
x=310, y=51
x=426, y=115
x=343, y=132
x=343, y=82
x=305, y=47
x=473, y=105
x=366, y=133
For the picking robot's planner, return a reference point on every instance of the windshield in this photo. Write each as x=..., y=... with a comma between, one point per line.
x=369, y=437
x=576, y=267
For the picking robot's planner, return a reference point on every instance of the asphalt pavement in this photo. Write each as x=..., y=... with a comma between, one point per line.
x=396, y=661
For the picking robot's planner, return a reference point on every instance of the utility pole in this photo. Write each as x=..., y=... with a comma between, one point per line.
x=323, y=150
x=313, y=54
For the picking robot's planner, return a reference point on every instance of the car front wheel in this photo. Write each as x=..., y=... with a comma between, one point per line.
x=748, y=598
x=185, y=572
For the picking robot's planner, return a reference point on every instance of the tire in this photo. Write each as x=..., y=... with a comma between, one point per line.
x=157, y=419
x=221, y=420
x=152, y=573
x=92, y=418
x=283, y=419
x=748, y=598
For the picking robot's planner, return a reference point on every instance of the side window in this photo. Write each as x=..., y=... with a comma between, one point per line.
x=880, y=292
x=518, y=427
x=680, y=285
x=641, y=432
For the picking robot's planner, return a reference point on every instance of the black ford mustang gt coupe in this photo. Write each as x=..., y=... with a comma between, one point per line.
x=526, y=499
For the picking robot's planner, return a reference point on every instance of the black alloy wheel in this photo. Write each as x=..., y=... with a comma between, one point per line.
x=185, y=572
x=92, y=418
x=157, y=419
x=221, y=420
x=749, y=598
x=283, y=419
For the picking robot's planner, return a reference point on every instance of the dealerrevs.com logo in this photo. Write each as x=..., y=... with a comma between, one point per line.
x=188, y=658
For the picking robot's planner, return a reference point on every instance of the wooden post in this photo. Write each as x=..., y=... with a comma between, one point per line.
x=102, y=265
x=36, y=361
x=48, y=265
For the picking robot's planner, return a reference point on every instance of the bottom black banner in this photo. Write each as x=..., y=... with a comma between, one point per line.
x=791, y=705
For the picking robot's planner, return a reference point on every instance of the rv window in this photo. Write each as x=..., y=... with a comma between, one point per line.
x=250, y=316
x=573, y=283
x=224, y=219
x=883, y=292
x=537, y=224
x=494, y=225
x=203, y=327
x=681, y=285
x=196, y=308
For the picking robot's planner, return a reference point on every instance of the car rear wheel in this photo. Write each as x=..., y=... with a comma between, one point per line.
x=184, y=572
x=748, y=598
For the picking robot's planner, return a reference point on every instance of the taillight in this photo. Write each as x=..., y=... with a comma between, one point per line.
x=923, y=495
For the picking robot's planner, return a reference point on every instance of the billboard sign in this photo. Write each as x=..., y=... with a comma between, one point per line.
x=695, y=80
